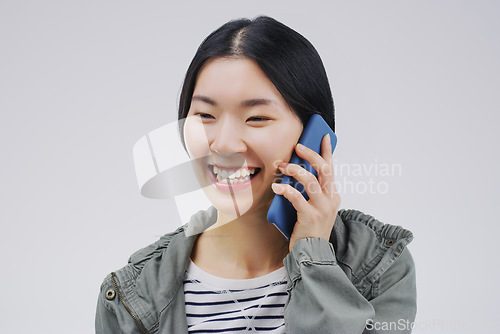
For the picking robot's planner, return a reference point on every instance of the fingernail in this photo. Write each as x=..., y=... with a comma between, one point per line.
x=277, y=188
x=282, y=165
x=300, y=147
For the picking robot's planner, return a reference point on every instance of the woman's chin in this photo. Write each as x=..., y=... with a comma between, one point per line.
x=230, y=204
x=231, y=208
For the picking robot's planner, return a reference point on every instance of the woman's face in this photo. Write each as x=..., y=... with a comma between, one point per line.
x=237, y=129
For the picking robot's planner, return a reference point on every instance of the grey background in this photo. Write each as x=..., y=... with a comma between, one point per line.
x=415, y=83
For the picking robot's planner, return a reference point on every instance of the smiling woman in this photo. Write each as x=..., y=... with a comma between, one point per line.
x=249, y=91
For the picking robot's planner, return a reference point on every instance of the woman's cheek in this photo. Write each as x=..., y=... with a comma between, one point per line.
x=196, y=139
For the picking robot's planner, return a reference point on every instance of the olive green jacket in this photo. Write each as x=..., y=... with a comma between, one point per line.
x=362, y=281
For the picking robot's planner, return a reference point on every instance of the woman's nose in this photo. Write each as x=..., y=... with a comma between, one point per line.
x=228, y=138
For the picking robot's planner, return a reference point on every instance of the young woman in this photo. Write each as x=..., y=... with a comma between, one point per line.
x=249, y=91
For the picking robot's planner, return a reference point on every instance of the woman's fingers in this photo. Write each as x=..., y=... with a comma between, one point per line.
x=321, y=163
x=326, y=149
x=306, y=178
x=293, y=195
x=327, y=177
x=316, y=217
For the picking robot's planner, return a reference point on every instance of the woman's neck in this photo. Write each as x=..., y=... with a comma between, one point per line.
x=246, y=247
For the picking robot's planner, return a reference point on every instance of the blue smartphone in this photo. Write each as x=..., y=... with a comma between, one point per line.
x=282, y=213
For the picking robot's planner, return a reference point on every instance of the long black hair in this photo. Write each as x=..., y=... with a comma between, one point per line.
x=286, y=57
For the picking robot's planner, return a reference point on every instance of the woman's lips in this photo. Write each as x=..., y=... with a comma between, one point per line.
x=244, y=175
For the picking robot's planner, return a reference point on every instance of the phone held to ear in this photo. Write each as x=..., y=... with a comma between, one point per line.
x=282, y=213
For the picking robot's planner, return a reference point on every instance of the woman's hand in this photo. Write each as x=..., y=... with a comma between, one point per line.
x=315, y=217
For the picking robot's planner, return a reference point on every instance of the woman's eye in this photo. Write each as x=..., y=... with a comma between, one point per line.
x=204, y=116
x=258, y=119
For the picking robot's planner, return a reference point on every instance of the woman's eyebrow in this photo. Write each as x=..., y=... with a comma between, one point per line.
x=256, y=102
x=203, y=99
x=244, y=104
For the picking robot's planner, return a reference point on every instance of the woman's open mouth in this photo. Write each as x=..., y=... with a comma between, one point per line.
x=232, y=176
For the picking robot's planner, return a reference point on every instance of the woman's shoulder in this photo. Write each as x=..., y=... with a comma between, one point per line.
x=145, y=257
x=142, y=256
x=160, y=265
x=125, y=294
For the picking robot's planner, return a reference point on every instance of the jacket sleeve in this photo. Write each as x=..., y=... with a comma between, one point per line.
x=395, y=300
x=322, y=299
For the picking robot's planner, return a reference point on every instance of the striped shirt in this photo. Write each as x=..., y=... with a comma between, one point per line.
x=222, y=305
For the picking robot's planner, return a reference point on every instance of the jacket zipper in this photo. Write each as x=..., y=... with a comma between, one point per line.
x=137, y=321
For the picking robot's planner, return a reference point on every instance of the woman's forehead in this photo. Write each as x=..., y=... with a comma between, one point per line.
x=234, y=78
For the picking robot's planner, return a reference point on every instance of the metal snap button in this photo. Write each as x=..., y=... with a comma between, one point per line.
x=389, y=242
x=110, y=294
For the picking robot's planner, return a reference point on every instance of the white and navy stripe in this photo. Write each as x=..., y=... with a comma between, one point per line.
x=221, y=305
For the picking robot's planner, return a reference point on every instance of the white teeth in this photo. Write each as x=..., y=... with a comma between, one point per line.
x=232, y=176
x=234, y=181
